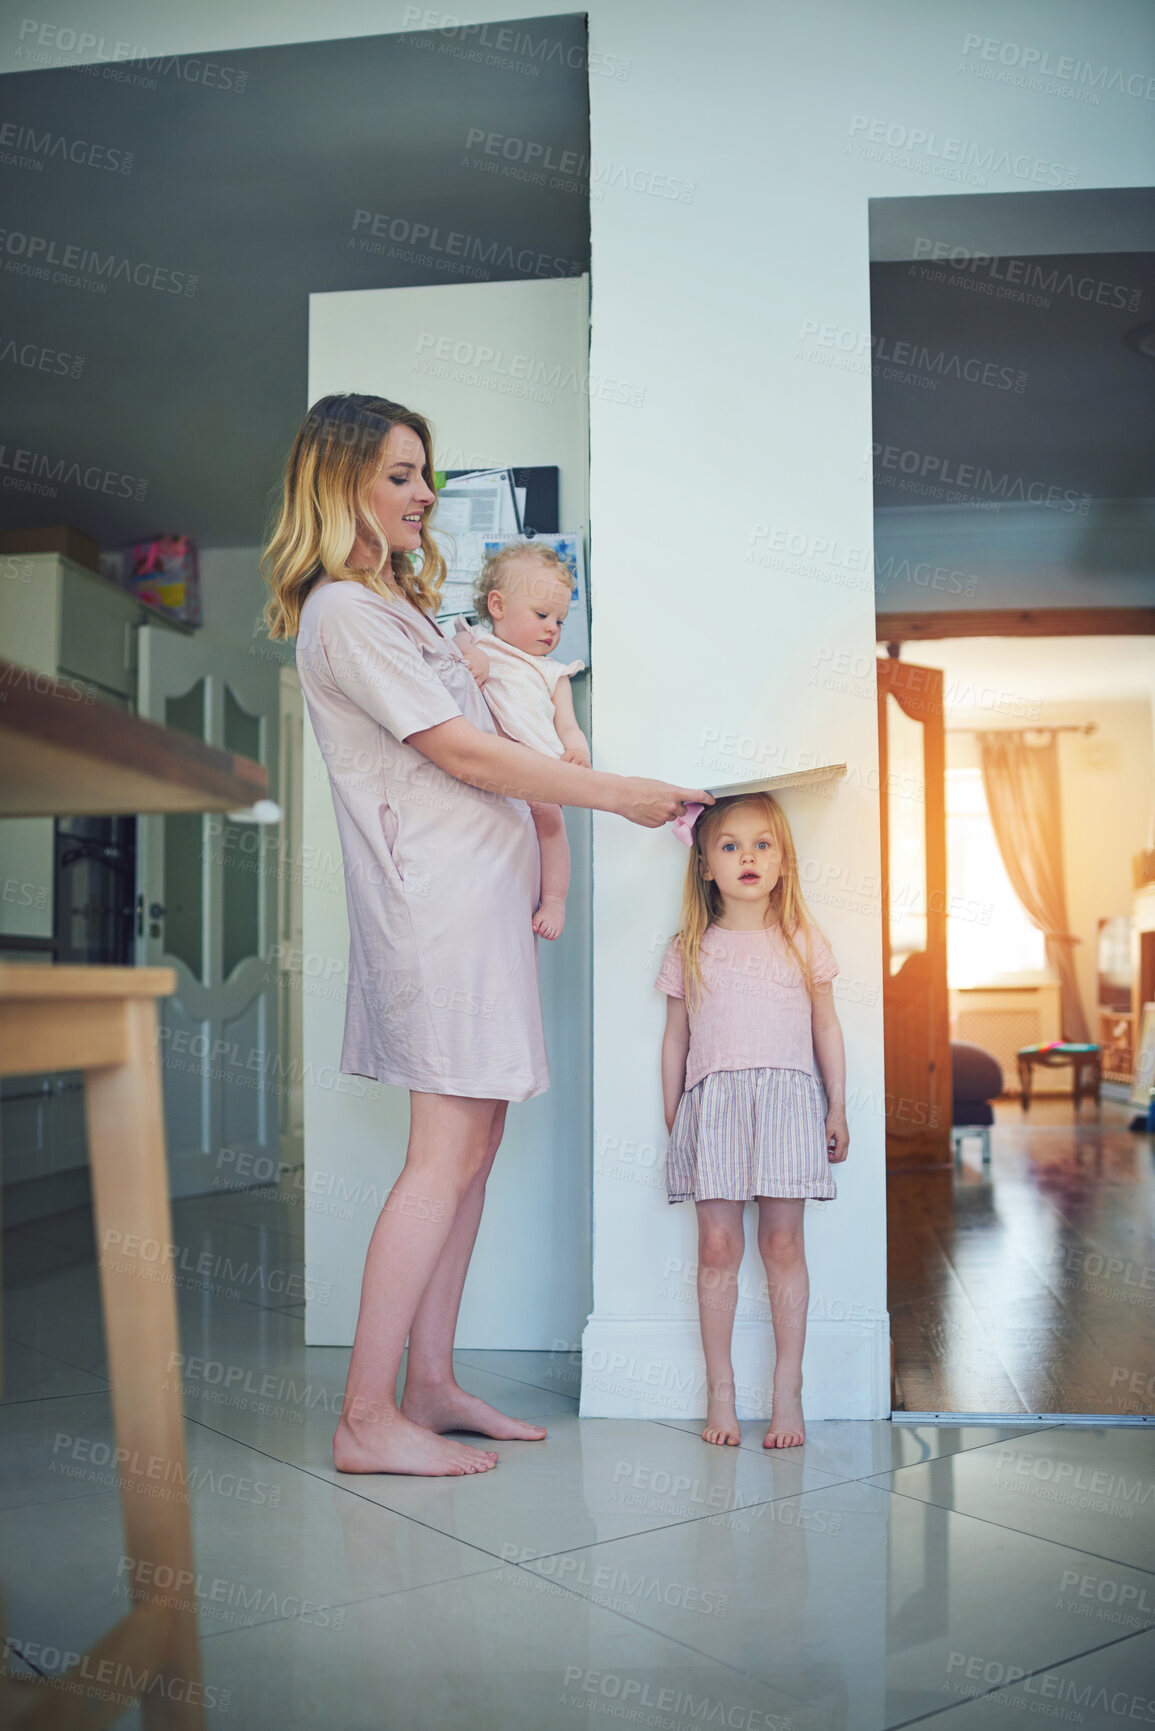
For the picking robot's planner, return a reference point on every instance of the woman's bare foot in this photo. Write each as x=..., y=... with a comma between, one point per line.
x=451, y=1408
x=549, y=920
x=395, y=1444
x=721, y=1419
x=787, y=1426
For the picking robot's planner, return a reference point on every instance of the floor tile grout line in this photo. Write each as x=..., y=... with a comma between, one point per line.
x=636, y=1622
x=338, y=1485
x=691, y=1520
x=1042, y=1670
x=1080, y=1550
x=699, y=1652
x=578, y=1599
x=763, y=1454
x=665, y=1526
x=522, y=1381
x=971, y=1448
x=14, y=1400
x=349, y=1604
x=46, y=1502
x=14, y=1340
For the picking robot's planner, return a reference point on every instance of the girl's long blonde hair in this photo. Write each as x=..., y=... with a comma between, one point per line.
x=702, y=903
x=331, y=469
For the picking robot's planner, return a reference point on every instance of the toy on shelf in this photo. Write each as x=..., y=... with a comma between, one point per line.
x=163, y=572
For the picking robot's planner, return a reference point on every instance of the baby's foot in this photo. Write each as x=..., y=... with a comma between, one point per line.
x=787, y=1426
x=549, y=920
x=721, y=1419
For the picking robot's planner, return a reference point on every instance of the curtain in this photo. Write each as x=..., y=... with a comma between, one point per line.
x=1021, y=782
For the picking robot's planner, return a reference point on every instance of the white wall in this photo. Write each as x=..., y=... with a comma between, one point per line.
x=700, y=303
x=703, y=302
x=529, y=1282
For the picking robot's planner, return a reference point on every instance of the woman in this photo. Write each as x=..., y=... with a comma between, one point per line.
x=442, y=875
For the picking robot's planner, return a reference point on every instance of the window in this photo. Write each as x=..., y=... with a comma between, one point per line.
x=988, y=932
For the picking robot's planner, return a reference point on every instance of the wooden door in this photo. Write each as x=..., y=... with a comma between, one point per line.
x=912, y=784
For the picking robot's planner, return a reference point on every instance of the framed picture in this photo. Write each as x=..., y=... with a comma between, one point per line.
x=1143, y=1076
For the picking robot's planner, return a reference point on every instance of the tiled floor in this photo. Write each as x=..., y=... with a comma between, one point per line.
x=620, y=1572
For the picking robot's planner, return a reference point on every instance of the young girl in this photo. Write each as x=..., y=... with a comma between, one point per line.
x=524, y=593
x=749, y=1007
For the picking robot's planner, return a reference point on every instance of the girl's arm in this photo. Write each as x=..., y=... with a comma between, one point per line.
x=830, y=1052
x=515, y=771
x=675, y=1046
x=565, y=721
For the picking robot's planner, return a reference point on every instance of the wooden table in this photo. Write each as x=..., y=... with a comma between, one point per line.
x=1083, y=1058
x=63, y=754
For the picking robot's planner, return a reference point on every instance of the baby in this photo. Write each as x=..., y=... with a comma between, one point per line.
x=524, y=593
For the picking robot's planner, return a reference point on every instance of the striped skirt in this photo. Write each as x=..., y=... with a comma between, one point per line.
x=744, y=1133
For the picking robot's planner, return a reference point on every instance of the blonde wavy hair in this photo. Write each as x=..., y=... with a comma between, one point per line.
x=702, y=902
x=330, y=472
x=495, y=570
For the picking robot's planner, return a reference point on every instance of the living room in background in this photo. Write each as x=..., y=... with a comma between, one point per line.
x=1013, y=535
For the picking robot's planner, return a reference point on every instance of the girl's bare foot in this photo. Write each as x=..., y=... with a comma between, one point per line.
x=787, y=1426
x=450, y=1408
x=721, y=1419
x=549, y=920
x=396, y=1445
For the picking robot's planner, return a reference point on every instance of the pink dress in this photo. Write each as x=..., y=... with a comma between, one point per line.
x=441, y=879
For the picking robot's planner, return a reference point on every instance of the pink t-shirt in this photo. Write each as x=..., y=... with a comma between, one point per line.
x=754, y=1010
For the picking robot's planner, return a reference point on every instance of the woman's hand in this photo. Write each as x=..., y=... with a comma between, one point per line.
x=653, y=803
x=837, y=1136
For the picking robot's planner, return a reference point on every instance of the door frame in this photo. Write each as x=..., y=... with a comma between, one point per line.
x=893, y=629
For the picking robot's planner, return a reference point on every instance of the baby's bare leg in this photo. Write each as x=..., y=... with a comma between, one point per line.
x=720, y=1242
x=782, y=1246
x=549, y=920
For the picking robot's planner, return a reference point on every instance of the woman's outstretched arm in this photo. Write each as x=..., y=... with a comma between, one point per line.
x=505, y=767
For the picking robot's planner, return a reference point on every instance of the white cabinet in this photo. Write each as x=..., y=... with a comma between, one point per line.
x=59, y=618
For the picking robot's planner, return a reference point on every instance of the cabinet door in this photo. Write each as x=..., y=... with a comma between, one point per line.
x=207, y=906
x=97, y=641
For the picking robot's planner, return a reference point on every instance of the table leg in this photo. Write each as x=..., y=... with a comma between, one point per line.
x=1025, y=1083
x=124, y=1110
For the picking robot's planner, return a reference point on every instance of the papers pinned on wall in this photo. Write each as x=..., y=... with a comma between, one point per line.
x=471, y=508
x=482, y=502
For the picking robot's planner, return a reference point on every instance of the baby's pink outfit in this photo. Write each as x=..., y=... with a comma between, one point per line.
x=520, y=691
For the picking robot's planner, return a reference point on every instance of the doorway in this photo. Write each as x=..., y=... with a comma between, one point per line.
x=1013, y=436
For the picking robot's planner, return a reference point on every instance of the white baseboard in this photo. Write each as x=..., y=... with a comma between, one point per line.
x=652, y=1367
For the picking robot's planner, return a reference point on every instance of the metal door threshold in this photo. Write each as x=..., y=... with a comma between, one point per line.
x=1031, y=1418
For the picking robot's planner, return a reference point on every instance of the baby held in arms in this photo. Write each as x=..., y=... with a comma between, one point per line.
x=523, y=594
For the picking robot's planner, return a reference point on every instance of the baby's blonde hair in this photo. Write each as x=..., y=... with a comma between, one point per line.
x=702, y=903
x=494, y=571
